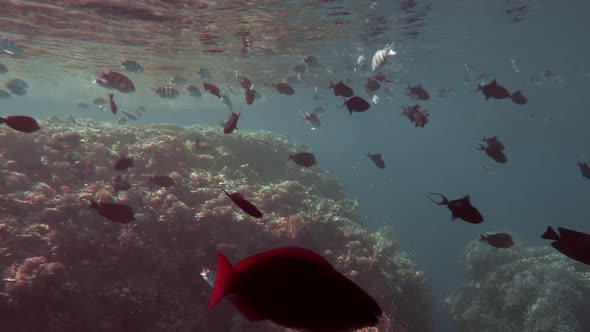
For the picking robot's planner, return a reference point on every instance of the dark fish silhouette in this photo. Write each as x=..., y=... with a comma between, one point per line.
x=244, y=204
x=132, y=66
x=192, y=90
x=21, y=123
x=114, y=80
x=212, y=89
x=377, y=159
x=573, y=244
x=299, y=68
x=294, y=288
x=341, y=89
x=311, y=61
x=498, y=240
x=17, y=86
x=112, y=104
x=416, y=114
x=372, y=85
x=585, y=169
x=284, y=88
x=179, y=80
x=312, y=119
x=417, y=91
x=245, y=82
x=493, y=90
x=231, y=123
x=460, y=208
x=519, y=98
x=495, y=152
x=120, y=184
x=305, y=159
x=123, y=163
x=250, y=96
x=166, y=91
x=116, y=212
x=493, y=141
x=162, y=181
x=356, y=104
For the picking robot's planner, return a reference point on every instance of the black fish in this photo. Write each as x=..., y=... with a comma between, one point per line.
x=519, y=98
x=493, y=141
x=573, y=244
x=312, y=119
x=585, y=169
x=212, y=89
x=245, y=82
x=123, y=163
x=166, y=91
x=498, y=240
x=495, y=152
x=244, y=204
x=99, y=101
x=372, y=85
x=112, y=104
x=120, y=184
x=356, y=104
x=377, y=159
x=231, y=123
x=304, y=159
x=341, y=89
x=116, y=212
x=493, y=90
x=17, y=86
x=416, y=114
x=21, y=123
x=162, y=181
x=460, y=208
x=284, y=88
x=250, y=96
x=132, y=66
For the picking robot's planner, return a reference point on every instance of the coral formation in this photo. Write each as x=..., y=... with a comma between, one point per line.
x=65, y=268
x=521, y=289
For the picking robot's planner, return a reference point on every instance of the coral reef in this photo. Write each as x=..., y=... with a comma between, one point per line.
x=65, y=268
x=521, y=289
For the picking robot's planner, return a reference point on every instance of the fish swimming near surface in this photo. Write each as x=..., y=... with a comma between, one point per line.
x=284, y=88
x=519, y=98
x=192, y=90
x=460, y=208
x=380, y=57
x=341, y=89
x=498, y=240
x=305, y=159
x=112, y=104
x=123, y=163
x=22, y=123
x=227, y=102
x=204, y=74
x=212, y=89
x=162, y=181
x=573, y=244
x=10, y=46
x=116, y=212
x=132, y=66
x=493, y=90
x=250, y=96
x=312, y=119
x=418, y=92
x=17, y=86
x=495, y=152
x=585, y=169
x=493, y=141
x=294, y=288
x=377, y=160
x=166, y=91
x=372, y=85
x=356, y=104
x=243, y=204
x=231, y=123
x=416, y=114
x=245, y=82
x=114, y=80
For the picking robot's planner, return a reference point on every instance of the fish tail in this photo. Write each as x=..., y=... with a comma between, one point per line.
x=222, y=280
x=444, y=200
x=550, y=234
x=482, y=238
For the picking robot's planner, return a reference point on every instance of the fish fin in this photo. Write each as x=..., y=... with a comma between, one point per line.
x=222, y=279
x=482, y=238
x=568, y=233
x=246, y=310
x=550, y=234
x=466, y=198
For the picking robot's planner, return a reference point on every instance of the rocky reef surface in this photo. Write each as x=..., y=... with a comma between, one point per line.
x=65, y=268
x=521, y=290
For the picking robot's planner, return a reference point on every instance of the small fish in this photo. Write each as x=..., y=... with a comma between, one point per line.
x=250, y=96
x=192, y=90
x=212, y=89
x=460, y=208
x=231, y=123
x=17, y=86
x=284, y=88
x=418, y=92
x=179, y=80
x=498, y=240
x=519, y=98
x=312, y=119
x=493, y=141
x=10, y=46
x=305, y=159
x=227, y=102
x=585, y=169
x=204, y=74
x=123, y=163
x=116, y=212
x=120, y=184
x=356, y=104
x=495, y=152
x=493, y=90
x=299, y=68
x=3, y=69
x=112, y=104
x=130, y=115
x=380, y=57
x=416, y=114
x=377, y=160
x=83, y=106
x=245, y=82
x=132, y=66
x=372, y=85
x=162, y=181
x=341, y=89
x=166, y=91
x=99, y=101
x=573, y=244
x=22, y=123
x=244, y=204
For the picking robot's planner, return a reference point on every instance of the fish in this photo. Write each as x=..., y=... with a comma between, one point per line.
x=22, y=123
x=3, y=69
x=132, y=66
x=227, y=102
x=356, y=104
x=10, y=46
x=312, y=119
x=141, y=109
x=212, y=89
x=162, y=181
x=377, y=160
x=179, y=81
x=119, y=213
x=204, y=74
x=311, y=61
x=294, y=288
x=460, y=208
x=119, y=184
x=166, y=91
x=341, y=89
x=372, y=85
x=495, y=152
x=573, y=244
x=493, y=90
x=114, y=80
x=519, y=98
x=99, y=101
x=380, y=57
x=299, y=68
x=192, y=90
x=231, y=123
x=245, y=82
x=250, y=96
x=130, y=115
x=112, y=104
x=284, y=88
x=493, y=141
x=498, y=240
x=243, y=204
x=123, y=163
x=305, y=159
x=584, y=168
x=17, y=86
x=418, y=92
x=416, y=114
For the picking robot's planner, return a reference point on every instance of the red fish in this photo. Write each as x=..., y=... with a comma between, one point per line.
x=493, y=141
x=417, y=115
x=112, y=104
x=245, y=82
x=21, y=123
x=495, y=152
x=213, y=89
x=284, y=88
x=123, y=163
x=418, y=92
x=116, y=212
x=493, y=90
x=460, y=208
x=573, y=244
x=244, y=204
x=114, y=80
x=519, y=98
x=312, y=119
x=341, y=89
x=372, y=85
x=294, y=288
x=231, y=123
x=250, y=96
x=356, y=104
x=377, y=159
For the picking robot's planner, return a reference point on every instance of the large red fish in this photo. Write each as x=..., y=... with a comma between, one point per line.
x=114, y=80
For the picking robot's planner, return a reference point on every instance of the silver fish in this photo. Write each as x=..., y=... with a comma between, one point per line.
x=208, y=275
x=380, y=57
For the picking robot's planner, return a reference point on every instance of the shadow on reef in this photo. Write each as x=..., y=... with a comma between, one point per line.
x=64, y=268
x=521, y=290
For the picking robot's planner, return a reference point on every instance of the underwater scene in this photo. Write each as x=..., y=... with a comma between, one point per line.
x=296, y=165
